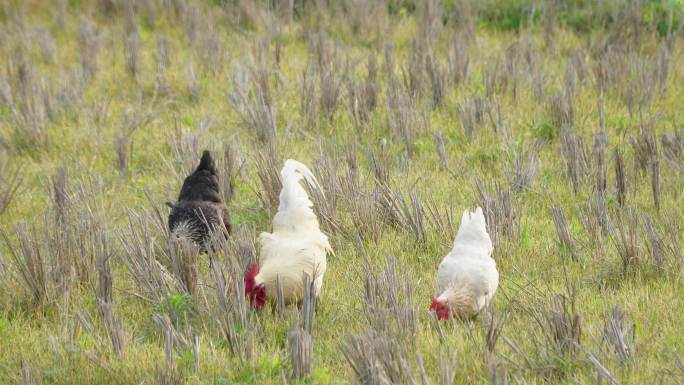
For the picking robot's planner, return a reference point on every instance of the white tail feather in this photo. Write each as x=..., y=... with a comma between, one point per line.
x=473, y=229
x=294, y=211
x=293, y=195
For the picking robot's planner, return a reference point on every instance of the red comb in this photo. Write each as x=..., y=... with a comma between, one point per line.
x=249, y=277
x=433, y=305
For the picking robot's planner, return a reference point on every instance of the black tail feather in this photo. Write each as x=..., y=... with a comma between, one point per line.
x=207, y=162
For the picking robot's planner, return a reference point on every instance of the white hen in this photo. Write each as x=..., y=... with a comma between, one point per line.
x=295, y=246
x=467, y=277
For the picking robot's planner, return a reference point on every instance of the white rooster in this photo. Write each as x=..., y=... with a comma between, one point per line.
x=467, y=277
x=295, y=246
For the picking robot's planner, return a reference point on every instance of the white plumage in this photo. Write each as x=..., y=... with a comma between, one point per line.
x=467, y=277
x=296, y=245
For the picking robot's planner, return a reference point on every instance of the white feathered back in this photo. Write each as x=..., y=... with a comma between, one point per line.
x=473, y=231
x=294, y=211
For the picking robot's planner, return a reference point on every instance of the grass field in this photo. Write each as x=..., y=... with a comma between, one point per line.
x=564, y=123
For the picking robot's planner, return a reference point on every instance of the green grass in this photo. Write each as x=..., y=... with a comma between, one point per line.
x=532, y=263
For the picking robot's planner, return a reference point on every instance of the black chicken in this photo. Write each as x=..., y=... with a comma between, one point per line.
x=200, y=211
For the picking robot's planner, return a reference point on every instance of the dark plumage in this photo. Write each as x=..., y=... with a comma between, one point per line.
x=199, y=209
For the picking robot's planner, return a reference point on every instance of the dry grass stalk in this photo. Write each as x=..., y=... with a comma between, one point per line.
x=492, y=74
x=280, y=299
x=562, y=325
x=498, y=374
x=430, y=15
x=191, y=16
x=647, y=157
x=267, y=162
x=655, y=182
x=105, y=302
x=564, y=236
x=78, y=232
x=438, y=80
x=620, y=178
x=184, y=255
x=10, y=181
x=663, y=243
x=233, y=311
x=601, y=372
x=89, y=42
x=150, y=13
x=30, y=100
x=359, y=200
x=494, y=328
x=389, y=301
x=362, y=97
x=562, y=111
x=309, y=300
x=300, y=344
x=645, y=147
x=30, y=260
x=30, y=375
x=46, y=44
x=472, y=114
x=191, y=84
x=330, y=85
x=502, y=218
x=211, y=50
x=549, y=15
x=230, y=166
x=619, y=335
x=185, y=343
x=411, y=214
x=523, y=166
x=163, y=54
x=307, y=104
x=601, y=171
x=511, y=71
x=623, y=229
x=140, y=256
x=163, y=62
x=381, y=163
x=574, y=153
x=252, y=101
x=458, y=57
x=447, y=371
x=440, y=147
x=61, y=6
x=133, y=118
x=378, y=360
x=326, y=199
x=186, y=143
x=402, y=115
x=661, y=67
x=322, y=81
x=63, y=249
x=113, y=326
x=443, y=221
x=656, y=247
x=132, y=53
x=673, y=149
x=594, y=217
x=414, y=73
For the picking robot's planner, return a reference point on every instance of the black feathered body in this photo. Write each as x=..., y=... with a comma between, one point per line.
x=200, y=210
